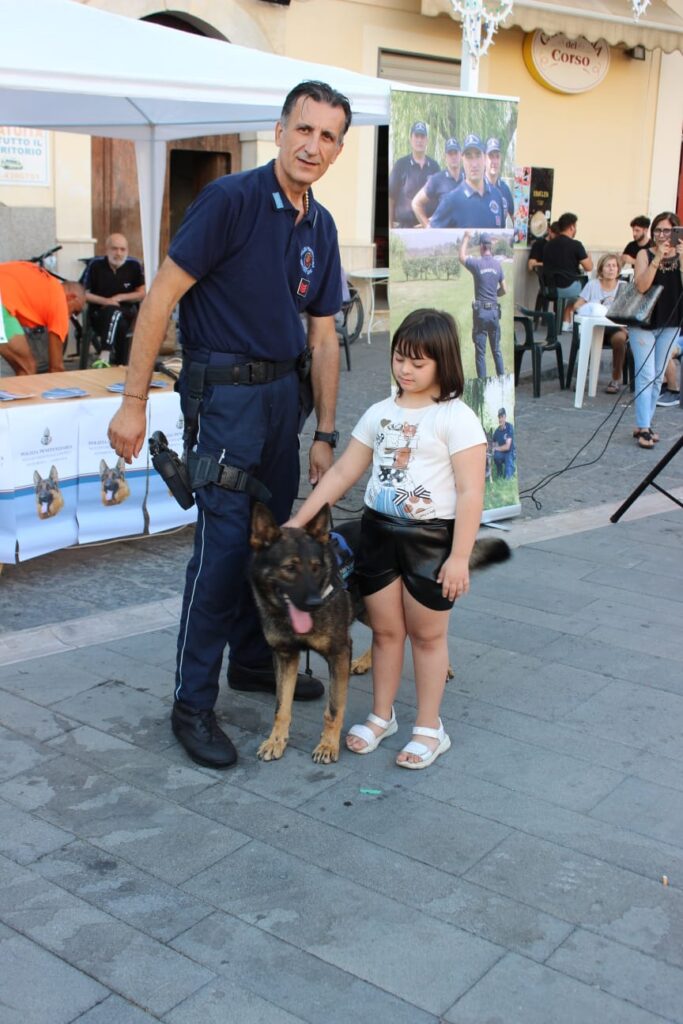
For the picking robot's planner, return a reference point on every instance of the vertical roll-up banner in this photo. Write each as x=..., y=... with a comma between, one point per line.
x=43, y=443
x=451, y=233
x=111, y=494
x=163, y=510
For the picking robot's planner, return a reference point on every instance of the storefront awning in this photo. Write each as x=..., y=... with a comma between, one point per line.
x=659, y=28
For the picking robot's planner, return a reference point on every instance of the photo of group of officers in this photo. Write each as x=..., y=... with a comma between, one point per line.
x=467, y=193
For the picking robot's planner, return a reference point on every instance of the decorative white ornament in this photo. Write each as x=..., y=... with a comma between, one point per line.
x=639, y=7
x=480, y=19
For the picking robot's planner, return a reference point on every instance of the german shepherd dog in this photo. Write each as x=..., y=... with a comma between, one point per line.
x=303, y=604
x=114, y=488
x=49, y=498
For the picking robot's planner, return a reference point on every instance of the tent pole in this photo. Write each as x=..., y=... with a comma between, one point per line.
x=150, y=157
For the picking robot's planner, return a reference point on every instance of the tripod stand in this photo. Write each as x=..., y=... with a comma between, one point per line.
x=650, y=479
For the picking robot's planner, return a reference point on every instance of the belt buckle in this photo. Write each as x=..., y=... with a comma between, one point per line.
x=257, y=373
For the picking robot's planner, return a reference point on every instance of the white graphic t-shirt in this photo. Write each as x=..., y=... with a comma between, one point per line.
x=412, y=475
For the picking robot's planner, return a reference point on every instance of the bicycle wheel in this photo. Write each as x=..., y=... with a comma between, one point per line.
x=354, y=317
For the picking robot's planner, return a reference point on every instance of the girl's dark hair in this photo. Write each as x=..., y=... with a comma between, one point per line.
x=433, y=334
x=667, y=215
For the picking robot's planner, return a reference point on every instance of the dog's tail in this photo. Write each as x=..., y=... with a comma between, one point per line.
x=487, y=551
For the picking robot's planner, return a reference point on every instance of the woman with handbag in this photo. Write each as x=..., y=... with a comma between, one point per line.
x=660, y=264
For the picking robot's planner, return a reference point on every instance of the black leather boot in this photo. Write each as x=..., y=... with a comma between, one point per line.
x=262, y=680
x=201, y=736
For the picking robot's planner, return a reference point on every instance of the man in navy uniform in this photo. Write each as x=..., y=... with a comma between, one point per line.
x=254, y=252
x=504, y=453
x=407, y=177
x=439, y=184
x=114, y=287
x=475, y=203
x=489, y=283
x=493, y=162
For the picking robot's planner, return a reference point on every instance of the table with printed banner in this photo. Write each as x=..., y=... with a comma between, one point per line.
x=60, y=482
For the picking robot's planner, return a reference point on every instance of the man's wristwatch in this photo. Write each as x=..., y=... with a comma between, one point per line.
x=329, y=438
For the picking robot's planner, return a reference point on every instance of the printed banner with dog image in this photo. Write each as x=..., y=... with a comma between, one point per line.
x=163, y=510
x=8, y=520
x=111, y=494
x=451, y=216
x=43, y=443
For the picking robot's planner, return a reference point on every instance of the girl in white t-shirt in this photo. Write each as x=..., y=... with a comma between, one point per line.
x=428, y=455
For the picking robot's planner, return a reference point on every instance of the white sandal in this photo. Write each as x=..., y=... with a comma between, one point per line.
x=372, y=739
x=426, y=754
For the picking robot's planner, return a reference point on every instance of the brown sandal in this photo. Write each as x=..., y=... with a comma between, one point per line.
x=644, y=437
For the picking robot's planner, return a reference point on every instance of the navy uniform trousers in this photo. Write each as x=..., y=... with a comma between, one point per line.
x=253, y=427
x=486, y=325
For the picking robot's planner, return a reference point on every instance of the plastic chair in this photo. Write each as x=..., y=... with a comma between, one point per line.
x=349, y=322
x=629, y=374
x=550, y=343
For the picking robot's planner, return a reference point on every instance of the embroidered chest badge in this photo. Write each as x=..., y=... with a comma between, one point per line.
x=307, y=260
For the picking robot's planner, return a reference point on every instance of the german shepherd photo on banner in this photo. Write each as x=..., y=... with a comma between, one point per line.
x=49, y=498
x=113, y=486
x=305, y=604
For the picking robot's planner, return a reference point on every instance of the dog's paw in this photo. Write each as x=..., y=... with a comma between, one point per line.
x=272, y=749
x=326, y=752
x=361, y=665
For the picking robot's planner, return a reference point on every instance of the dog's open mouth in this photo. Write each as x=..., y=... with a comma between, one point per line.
x=302, y=622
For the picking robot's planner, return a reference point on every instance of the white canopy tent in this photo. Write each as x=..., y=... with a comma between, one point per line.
x=76, y=69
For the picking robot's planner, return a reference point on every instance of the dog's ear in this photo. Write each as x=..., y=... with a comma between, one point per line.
x=103, y=467
x=264, y=529
x=54, y=475
x=319, y=526
x=37, y=478
x=121, y=464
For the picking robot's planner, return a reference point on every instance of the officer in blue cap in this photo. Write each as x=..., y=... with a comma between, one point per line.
x=493, y=163
x=489, y=283
x=439, y=185
x=407, y=177
x=475, y=203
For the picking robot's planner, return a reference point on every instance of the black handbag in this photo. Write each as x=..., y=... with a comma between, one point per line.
x=629, y=306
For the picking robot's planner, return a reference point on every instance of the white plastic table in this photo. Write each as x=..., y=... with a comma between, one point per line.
x=374, y=276
x=591, y=332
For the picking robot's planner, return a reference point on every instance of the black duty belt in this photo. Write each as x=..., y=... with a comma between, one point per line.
x=261, y=371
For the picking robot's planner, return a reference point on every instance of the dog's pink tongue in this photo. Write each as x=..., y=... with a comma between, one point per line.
x=302, y=622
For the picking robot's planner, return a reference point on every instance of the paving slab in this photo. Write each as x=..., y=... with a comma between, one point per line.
x=348, y=926
x=519, y=990
x=38, y=987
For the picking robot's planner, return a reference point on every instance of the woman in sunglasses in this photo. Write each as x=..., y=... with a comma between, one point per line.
x=661, y=263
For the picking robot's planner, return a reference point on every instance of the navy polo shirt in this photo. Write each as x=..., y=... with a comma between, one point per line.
x=488, y=274
x=405, y=181
x=465, y=208
x=439, y=185
x=504, y=190
x=255, y=270
x=102, y=279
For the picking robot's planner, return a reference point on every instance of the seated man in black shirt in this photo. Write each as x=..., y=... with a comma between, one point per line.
x=640, y=227
x=564, y=261
x=115, y=287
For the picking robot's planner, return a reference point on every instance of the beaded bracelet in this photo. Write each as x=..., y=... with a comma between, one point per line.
x=140, y=398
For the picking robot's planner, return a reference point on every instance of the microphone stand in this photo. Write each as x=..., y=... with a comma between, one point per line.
x=650, y=479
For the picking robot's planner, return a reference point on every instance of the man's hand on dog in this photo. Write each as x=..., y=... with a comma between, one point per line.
x=320, y=458
x=454, y=577
x=127, y=429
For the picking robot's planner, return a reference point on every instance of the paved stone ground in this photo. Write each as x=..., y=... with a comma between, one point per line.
x=517, y=881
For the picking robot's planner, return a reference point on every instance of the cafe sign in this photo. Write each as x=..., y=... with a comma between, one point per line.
x=563, y=64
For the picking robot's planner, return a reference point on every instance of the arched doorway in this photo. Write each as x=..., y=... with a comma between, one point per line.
x=191, y=164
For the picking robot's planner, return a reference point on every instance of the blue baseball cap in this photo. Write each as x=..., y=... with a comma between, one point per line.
x=472, y=141
x=493, y=146
x=485, y=239
x=452, y=146
x=419, y=128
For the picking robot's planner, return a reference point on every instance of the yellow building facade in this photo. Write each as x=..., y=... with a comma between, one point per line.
x=615, y=149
